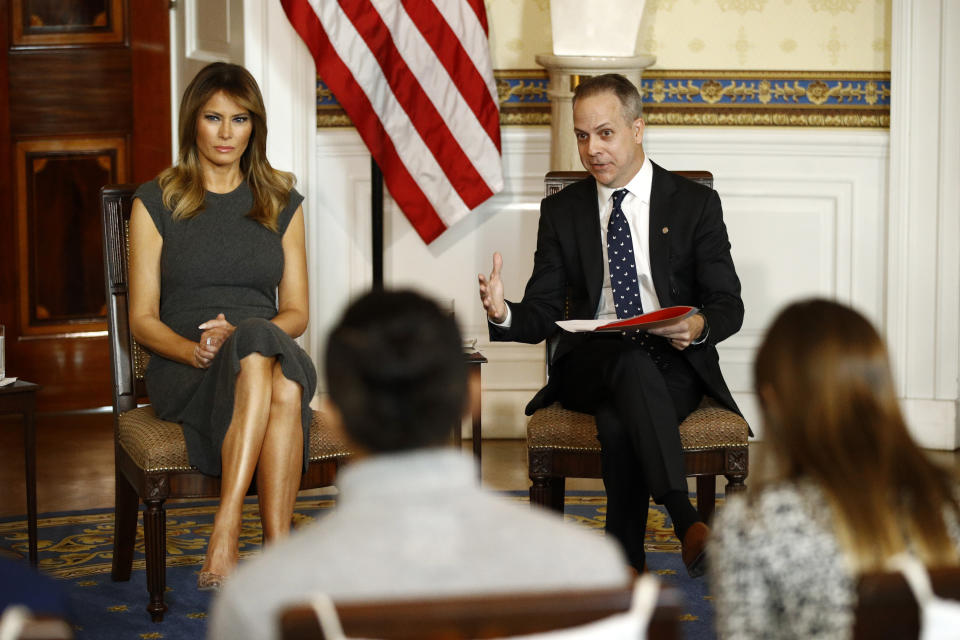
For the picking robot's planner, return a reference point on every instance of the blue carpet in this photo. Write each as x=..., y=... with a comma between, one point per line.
x=75, y=549
x=589, y=508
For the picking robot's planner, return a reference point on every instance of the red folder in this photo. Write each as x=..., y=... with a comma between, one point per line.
x=650, y=320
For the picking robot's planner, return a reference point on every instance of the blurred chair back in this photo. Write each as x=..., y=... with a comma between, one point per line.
x=116, y=201
x=487, y=616
x=886, y=607
x=18, y=623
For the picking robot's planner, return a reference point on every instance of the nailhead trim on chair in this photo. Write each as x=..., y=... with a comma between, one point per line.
x=141, y=358
x=324, y=443
x=710, y=426
x=157, y=445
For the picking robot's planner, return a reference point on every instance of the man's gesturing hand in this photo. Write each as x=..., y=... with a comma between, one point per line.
x=491, y=292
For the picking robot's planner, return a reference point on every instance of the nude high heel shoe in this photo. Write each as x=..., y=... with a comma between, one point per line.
x=209, y=581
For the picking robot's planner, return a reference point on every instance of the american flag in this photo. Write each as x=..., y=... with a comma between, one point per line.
x=415, y=78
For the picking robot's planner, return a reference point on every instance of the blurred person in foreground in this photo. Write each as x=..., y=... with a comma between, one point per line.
x=410, y=520
x=850, y=490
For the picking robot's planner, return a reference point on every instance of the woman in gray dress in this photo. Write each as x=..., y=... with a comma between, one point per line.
x=218, y=292
x=848, y=489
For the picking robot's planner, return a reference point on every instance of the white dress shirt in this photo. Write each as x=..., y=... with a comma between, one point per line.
x=636, y=208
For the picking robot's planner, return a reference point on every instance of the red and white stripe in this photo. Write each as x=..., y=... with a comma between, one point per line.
x=415, y=78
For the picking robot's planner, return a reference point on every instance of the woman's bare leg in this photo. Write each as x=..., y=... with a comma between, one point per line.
x=240, y=452
x=281, y=458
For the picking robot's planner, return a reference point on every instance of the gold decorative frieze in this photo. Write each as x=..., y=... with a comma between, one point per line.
x=767, y=98
x=708, y=98
x=523, y=97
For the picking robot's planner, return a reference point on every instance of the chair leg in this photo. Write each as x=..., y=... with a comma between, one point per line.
x=540, y=491
x=558, y=491
x=736, y=482
x=155, y=541
x=126, y=503
x=706, y=496
x=547, y=491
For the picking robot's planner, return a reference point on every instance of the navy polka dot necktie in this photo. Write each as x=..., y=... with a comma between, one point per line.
x=623, y=266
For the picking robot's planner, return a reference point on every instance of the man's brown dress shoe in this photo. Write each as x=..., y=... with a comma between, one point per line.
x=693, y=549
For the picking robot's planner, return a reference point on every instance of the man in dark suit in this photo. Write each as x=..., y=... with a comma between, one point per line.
x=663, y=239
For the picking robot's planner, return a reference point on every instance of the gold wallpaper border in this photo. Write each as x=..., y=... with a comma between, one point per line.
x=767, y=98
x=852, y=99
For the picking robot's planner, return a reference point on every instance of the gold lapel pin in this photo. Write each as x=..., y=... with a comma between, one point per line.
x=665, y=230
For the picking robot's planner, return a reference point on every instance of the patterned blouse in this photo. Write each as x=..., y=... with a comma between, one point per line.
x=776, y=569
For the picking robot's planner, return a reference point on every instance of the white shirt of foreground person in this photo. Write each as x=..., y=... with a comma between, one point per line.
x=414, y=524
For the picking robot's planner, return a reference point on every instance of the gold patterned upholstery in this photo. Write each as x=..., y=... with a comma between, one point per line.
x=153, y=444
x=554, y=427
x=708, y=427
x=156, y=445
x=712, y=426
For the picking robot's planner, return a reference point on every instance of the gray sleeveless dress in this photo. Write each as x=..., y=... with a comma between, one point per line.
x=220, y=261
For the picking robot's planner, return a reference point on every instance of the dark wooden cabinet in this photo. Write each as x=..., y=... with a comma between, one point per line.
x=86, y=102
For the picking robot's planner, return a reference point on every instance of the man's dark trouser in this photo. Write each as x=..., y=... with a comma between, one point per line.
x=638, y=408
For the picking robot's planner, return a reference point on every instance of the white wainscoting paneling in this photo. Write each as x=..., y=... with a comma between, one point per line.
x=340, y=241
x=923, y=268
x=448, y=269
x=805, y=212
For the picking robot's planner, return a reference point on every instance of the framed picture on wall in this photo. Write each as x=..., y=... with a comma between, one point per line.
x=53, y=22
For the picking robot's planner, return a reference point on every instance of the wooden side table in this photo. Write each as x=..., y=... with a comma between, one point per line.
x=473, y=359
x=21, y=397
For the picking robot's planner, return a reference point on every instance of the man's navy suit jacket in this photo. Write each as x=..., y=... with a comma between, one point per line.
x=689, y=259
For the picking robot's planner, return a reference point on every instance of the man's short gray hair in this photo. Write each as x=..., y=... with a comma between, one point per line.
x=616, y=84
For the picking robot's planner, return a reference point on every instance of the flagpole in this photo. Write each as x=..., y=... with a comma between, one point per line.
x=376, y=222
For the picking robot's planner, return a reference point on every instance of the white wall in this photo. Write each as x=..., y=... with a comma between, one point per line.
x=923, y=267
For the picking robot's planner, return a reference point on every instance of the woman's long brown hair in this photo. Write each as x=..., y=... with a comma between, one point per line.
x=182, y=184
x=831, y=413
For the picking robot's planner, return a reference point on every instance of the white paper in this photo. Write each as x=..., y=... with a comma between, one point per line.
x=577, y=326
x=5, y=381
x=643, y=322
